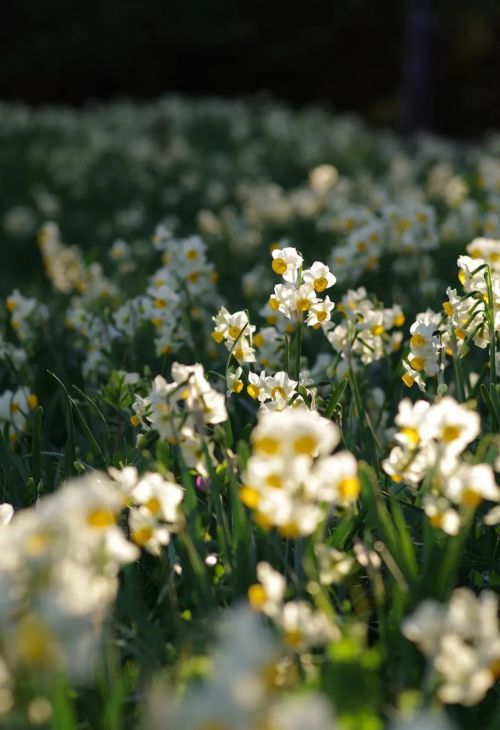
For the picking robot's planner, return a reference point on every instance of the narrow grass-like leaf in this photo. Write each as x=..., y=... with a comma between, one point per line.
x=335, y=398
x=63, y=710
x=69, y=448
x=36, y=447
x=489, y=405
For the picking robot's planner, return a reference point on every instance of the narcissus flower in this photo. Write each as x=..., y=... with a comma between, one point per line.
x=461, y=641
x=286, y=263
x=290, y=480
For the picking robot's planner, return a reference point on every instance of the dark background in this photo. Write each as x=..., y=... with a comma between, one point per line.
x=405, y=63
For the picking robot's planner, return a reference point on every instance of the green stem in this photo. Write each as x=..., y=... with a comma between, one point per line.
x=298, y=348
x=459, y=378
x=491, y=327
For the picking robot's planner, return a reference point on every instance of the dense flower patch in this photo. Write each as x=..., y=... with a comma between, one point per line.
x=249, y=421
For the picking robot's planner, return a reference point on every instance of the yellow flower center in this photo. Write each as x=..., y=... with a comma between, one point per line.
x=303, y=305
x=417, y=363
x=274, y=480
x=417, y=340
x=408, y=380
x=399, y=320
x=437, y=520
x=192, y=254
x=320, y=283
x=160, y=303
x=100, y=518
x=448, y=309
x=450, y=433
x=274, y=303
x=279, y=266
x=411, y=434
x=253, y=390
x=291, y=530
x=234, y=331
x=250, y=497
x=278, y=390
x=257, y=596
x=11, y=304
x=142, y=535
x=471, y=498
x=193, y=276
x=268, y=445
x=258, y=340
x=305, y=445
x=134, y=420
x=321, y=315
x=349, y=488
x=377, y=330
x=153, y=505
x=293, y=637
x=32, y=401
x=237, y=386
x=462, y=277
x=217, y=336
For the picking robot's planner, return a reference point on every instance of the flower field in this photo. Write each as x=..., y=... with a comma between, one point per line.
x=249, y=421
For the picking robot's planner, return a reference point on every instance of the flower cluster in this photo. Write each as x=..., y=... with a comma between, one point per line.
x=154, y=507
x=273, y=392
x=291, y=481
x=184, y=283
x=430, y=443
x=425, y=350
x=236, y=332
x=365, y=332
x=180, y=411
x=462, y=643
x=68, y=272
x=406, y=232
x=468, y=317
x=94, y=336
x=301, y=626
x=246, y=688
x=59, y=565
x=15, y=409
x=26, y=315
x=299, y=294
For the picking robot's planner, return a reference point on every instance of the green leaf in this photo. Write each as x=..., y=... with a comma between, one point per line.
x=335, y=398
x=69, y=447
x=489, y=405
x=36, y=447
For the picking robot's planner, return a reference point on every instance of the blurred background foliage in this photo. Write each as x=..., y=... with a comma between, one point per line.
x=354, y=55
